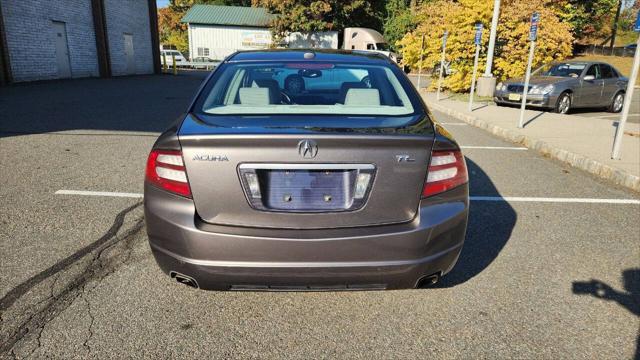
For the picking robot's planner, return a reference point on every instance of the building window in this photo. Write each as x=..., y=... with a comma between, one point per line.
x=203, y=51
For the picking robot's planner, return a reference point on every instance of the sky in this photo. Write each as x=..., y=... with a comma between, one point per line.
x=162, y=3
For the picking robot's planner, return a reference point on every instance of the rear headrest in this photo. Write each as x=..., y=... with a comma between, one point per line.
x=362, y=97
x=272, y=85
x=349, y=85
x=254, y=96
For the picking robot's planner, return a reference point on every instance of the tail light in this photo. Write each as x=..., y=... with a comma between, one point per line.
x=446, y=171
x=165, y=169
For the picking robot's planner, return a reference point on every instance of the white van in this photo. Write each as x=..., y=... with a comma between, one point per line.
x=181, y=61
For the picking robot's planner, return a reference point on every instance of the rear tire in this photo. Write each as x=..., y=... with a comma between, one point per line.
x=617, y=104
x=563, y=105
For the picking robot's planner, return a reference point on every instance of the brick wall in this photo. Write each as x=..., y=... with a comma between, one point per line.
x=28, y=26
x=32, y=51
x=130, y=17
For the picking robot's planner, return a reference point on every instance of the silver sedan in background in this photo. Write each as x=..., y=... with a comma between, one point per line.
x=567, y=85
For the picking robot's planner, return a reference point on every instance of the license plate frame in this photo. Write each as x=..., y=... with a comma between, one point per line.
x=267, y=202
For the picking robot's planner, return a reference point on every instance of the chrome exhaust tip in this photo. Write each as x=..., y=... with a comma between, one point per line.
x=184, y=279
x=428, y=281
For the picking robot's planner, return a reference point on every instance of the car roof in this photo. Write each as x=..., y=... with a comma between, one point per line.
x=329, y=55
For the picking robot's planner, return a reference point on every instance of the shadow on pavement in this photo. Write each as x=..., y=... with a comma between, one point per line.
x=533, y=118
x=629, y=298
x=489, y=229
x=147, y=103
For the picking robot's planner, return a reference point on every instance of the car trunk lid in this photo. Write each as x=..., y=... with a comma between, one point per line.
x=306, y=179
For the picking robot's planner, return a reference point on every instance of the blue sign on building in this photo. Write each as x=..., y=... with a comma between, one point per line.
x=637, y=26
x=478, y=38
x=533, y=31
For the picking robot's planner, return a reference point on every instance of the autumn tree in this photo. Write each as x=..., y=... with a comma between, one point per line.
x=459, y=18
x=590, y=20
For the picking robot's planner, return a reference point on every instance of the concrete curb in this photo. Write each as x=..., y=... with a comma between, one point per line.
x=582, y=162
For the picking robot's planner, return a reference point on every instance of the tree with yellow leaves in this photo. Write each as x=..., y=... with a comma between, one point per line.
x=510, y=59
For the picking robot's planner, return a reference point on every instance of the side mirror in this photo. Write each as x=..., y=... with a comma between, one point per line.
x=406, y=69
x=589, y=78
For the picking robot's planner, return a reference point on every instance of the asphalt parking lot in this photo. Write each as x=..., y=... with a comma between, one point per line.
x=550, y=267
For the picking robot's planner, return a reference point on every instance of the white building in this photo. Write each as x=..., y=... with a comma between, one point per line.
x=218, y=31
x=53, y=39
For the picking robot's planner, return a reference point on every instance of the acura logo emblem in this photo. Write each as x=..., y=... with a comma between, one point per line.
x=308, y=149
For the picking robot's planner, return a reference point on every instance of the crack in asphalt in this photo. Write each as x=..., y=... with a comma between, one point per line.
x=18, y=291
x=97, y=268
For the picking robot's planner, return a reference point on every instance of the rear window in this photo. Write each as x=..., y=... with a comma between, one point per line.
x=290, y=88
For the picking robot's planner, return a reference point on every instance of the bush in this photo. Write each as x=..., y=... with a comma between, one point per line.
x=512, y=44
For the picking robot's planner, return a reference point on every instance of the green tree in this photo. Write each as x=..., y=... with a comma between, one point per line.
x=399, y=20
x=307, y=16
x=590, y=20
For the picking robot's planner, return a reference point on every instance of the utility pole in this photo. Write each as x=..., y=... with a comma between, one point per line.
x=615, y=26
x=487, y=83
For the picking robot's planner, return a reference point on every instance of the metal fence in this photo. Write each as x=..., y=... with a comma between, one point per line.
x=603, y=50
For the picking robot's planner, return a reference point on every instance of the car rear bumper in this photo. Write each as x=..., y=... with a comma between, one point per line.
x=380, y=257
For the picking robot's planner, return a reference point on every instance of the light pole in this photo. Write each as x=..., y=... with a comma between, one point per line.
x=492, y=37
x=617, y=142
x=487, y=83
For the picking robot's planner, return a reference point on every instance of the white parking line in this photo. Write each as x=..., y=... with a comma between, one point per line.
x=98, y=193
x=454, y=124
x=554, y=200
x=494, y=147
x=615, y=116
x=472, y=198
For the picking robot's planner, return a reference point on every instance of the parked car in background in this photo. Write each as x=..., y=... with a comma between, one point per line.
x=567, y=85
x=272, y=181
x=203, y=62
x=169, y=55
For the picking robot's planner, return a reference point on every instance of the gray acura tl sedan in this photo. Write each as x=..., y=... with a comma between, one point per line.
x=567, y=85
x=306, y=171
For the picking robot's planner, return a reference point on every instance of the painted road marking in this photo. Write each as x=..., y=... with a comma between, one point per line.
x=494, y=147
x=472, y=198
x=98, y=193
x=554, y=200
x=615, y=116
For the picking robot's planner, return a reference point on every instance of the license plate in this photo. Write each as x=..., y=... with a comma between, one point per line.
x=514, y=97
x=310, y=190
